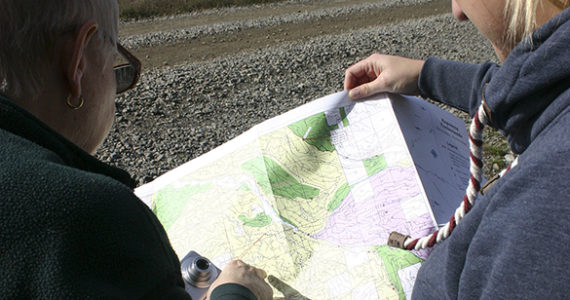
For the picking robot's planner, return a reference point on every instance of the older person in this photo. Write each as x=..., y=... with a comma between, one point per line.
x=513, y=242
x=70, y=225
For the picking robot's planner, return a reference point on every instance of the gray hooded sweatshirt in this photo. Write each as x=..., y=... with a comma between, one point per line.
x=514, y=242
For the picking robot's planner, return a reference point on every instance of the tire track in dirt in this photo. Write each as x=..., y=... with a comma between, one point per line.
x=223, y=44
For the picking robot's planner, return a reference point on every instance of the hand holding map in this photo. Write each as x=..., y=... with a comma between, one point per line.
x=383, y=73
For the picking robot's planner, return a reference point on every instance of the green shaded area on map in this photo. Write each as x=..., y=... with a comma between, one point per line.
x=244, y=187
x=285, y=185
x=396, y=259
x=260, y=220
x=339, y=195
x=343, y=117
x=170, y=202
x=281, y=183
x=288, y=221
x=257, y=168
x=375, y=164
x=319, y=132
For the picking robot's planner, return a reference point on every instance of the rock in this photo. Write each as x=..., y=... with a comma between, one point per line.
x=193, y=108
x=509, y=158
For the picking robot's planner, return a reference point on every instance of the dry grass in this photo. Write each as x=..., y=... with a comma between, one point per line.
x=139, y=9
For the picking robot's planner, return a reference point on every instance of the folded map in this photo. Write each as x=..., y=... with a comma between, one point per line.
x=312, y=195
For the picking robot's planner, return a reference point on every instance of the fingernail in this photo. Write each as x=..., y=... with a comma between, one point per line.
x=354, y=94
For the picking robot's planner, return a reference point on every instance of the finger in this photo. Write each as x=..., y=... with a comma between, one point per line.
x=282, y=287
x=239, y=263
x=351, y=79
x=263, y=290
x=267, y=292
x=367, y=89
x=260, y=273
x=356, y=74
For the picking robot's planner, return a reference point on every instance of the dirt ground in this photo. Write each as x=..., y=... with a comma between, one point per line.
x=223, y=44
x=206, y=66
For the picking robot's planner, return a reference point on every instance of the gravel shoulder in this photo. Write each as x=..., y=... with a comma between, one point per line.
x=219, y=33
x=211, y=76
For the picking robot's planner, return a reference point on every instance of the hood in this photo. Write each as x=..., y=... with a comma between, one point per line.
x=533, y=85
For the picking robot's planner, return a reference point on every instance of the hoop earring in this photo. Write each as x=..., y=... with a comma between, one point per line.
x=73, y=106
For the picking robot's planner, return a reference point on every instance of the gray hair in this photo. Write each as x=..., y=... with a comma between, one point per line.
x=29, y=30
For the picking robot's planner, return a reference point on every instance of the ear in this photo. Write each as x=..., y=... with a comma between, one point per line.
x=75, y=62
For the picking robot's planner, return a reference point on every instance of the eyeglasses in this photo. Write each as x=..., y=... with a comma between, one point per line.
x=127, y=74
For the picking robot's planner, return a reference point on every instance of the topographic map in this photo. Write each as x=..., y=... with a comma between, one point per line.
x=310, y=196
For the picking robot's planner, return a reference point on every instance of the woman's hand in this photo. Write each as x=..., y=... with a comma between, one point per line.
x=248, y=276
x=383, y=73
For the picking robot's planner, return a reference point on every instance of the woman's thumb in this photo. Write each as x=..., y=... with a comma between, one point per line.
x=365, y=90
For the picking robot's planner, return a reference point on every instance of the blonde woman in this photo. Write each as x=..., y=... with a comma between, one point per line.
x=70, y=225
x=512, y=243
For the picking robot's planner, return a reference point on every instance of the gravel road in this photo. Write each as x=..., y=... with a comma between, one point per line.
x=257, y=62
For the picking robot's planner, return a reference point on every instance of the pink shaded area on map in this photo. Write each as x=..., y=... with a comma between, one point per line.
x=370, y=221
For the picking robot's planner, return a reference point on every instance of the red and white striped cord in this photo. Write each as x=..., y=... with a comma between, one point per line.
x=478, y=124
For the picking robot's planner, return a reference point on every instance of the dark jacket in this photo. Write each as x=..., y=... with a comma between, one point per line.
x=514, y=242
x=70, y=225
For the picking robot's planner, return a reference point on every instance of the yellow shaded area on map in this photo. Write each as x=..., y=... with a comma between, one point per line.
x=335, y=272
x=320, y=169
x=237, y=217
x=231, y=193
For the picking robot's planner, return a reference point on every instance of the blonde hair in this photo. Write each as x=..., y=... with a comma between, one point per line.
x=29, y=30
x=521, y=18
